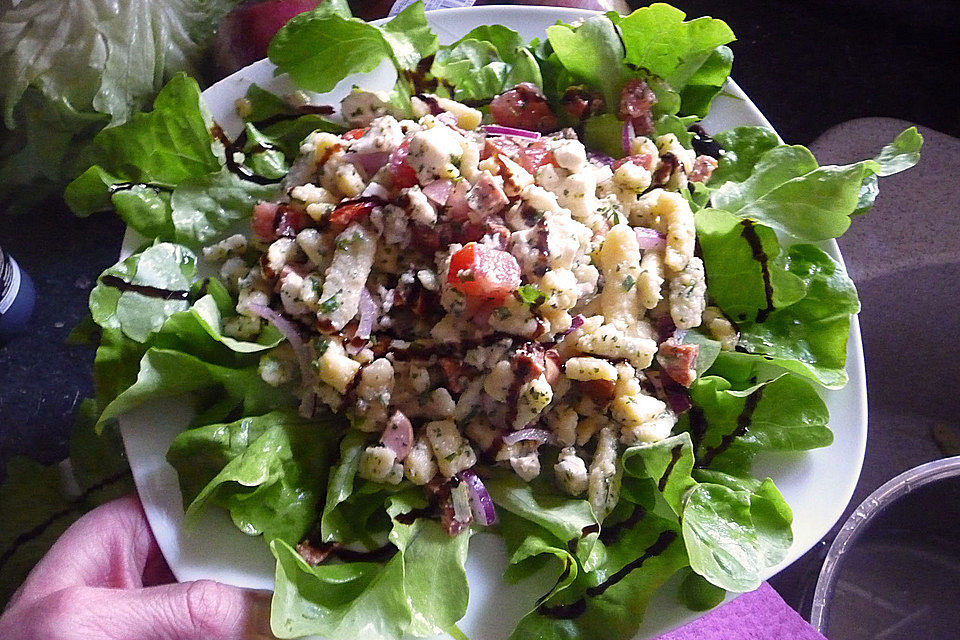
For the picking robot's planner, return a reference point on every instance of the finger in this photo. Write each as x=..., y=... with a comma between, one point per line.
x=108, y=547
x=203, y=610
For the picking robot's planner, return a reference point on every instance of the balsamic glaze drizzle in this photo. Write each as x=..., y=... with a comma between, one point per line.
x=749, y=234
x=144, y=290
x=579, y=606
x=743, y=422
x=674, y=457
x=231, y=147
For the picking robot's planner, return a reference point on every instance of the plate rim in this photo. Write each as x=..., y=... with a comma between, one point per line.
x=157, y=516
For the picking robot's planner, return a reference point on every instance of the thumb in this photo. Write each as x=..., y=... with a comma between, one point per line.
x=203, y=610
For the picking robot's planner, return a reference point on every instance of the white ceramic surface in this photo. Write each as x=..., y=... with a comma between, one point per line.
x=817, y=484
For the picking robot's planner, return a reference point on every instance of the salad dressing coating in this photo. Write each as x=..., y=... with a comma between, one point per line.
x=481, y=283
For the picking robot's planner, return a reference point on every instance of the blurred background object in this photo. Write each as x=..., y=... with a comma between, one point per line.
x=893, y=571
x=16, y=298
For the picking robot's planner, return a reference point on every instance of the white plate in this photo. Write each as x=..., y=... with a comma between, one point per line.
x=817, y=484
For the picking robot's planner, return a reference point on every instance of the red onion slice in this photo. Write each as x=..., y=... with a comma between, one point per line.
x=649, y=238
x=369, y=162
x=670, y=391
x=575, y=323
x=480, y=500
x=289, y=332
x=539, y=435
x=438, y=191
x=368, y=314
x=500, y=130
x=665, y=327
x=600, y=158
x=627, y=135
x=398, y=435
x=447, y=118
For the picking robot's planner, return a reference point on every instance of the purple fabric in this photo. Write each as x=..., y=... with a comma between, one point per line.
x=758, y=615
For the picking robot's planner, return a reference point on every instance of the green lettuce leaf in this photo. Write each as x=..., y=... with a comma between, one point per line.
x=742, y=149
x=353, y=509
x=160, y=148
x=609, y=601
x=166, y=268
x=744, y=276
x=782, y=414
x=421, y=590
x=783, y=187
x=809, y=337
x=560, y=515
x=689, y=56
x=205, y=208
x=166, y=373
x=309, y=47
x=484, y=63
x=74, y=68
x=268, y=471
x=733, y=536
x=194, y=329
x=792, y=307
x=593, y=52
x=281, y=124
x=901, y=154
x=698, y=594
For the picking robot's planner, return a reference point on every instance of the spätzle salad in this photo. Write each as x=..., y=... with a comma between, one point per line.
x=526, y=291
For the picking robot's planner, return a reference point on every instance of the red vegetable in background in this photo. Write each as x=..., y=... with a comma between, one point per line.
x=244, y=34
x=523, y=107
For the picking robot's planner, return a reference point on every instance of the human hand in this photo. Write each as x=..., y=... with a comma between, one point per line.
x=105, y=579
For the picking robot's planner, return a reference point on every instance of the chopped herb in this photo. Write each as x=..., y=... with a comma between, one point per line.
x=331, y=304
x=628, y=283
x=530, y=294
x=321, y=346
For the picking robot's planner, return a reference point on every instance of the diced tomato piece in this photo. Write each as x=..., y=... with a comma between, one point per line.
x=535, y=155
x=500, y=144
x=264, y=223
x=350, y=212
x=477, y=270
x=523, y=107
x=355, y=134
x=403, y=174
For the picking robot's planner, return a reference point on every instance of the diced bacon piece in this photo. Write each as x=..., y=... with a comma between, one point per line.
x=644, y=160
x=264, y=223
x=679, y=361
x=486, y=197
x=703, y=168
x=636, y=105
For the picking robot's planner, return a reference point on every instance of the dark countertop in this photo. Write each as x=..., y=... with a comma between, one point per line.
x=807, y=65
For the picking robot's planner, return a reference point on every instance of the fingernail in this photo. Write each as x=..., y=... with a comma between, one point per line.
x=258, y=625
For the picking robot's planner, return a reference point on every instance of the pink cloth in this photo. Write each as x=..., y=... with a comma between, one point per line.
x=758, y=615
